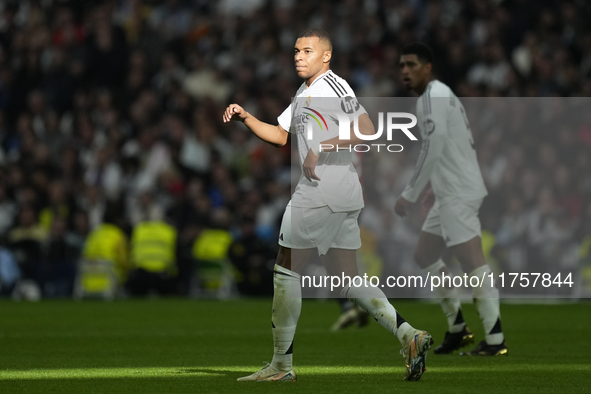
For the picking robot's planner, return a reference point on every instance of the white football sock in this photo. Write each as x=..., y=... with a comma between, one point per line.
x=486, y=300
x=287, y=305
x=374, y=301
x=448, y=300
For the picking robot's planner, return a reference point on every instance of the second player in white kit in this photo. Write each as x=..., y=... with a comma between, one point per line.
x=448, y=161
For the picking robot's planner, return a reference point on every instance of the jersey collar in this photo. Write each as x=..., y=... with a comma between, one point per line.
x=319, y=78
x=426, y=87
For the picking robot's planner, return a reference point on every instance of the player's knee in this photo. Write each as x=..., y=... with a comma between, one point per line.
x=470, y=264
x=284, y=258
x=470, y=254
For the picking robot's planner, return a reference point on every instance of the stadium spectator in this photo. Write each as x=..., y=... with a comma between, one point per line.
x=26, y=241
x=549, y=230
x=107, y=243
x=210, y=253
x=8, y=211
x=254, y=259
x=60, y=258
x=9, y=271
x=511, y=236
x=153, y=256
x=57, y=206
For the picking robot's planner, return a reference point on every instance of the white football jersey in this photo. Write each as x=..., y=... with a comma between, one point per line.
x=448, y=157
x=339, y=186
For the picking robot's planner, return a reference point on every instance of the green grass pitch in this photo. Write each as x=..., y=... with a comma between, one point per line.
x=193, y=346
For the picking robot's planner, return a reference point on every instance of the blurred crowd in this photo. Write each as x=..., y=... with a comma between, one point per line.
x=110, y=129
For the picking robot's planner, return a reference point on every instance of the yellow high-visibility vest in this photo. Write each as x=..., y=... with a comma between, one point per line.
x=108, y=243
x=47, y=215
x=488, y=242
x=212, y=245
x=585, y=248
x=153, y=246
x=211, y=249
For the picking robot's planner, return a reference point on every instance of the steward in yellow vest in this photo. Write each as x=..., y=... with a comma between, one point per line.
x=153, y=247
x=108, y=243
x=153, y=256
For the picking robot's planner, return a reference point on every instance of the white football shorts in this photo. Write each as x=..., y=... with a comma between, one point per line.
x=321, y=228
x=455, y=221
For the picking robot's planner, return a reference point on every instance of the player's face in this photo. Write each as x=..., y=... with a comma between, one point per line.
x=311, y=57
x=415, y=73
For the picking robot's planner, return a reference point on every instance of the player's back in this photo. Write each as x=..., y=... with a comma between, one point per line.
x=441, y=115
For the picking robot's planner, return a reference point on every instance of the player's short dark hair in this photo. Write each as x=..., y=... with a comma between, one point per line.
x=423, y=52
x=321, y=34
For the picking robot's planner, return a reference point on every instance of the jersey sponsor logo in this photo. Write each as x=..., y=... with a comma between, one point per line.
x=429, y=127
x=349, y=105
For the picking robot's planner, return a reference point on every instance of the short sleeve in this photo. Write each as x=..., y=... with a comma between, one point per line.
x=284, y=119
x=349, y=102
x=351, y=106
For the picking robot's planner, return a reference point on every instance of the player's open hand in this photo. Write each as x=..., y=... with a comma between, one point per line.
x=234, y=112
x=428, y=200
x=401, y=207
x=310, y=165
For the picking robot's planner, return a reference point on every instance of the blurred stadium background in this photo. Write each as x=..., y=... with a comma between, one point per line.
x=112, y=149
x=118, y=178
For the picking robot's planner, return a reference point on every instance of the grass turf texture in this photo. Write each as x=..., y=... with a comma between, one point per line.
x=190, y=346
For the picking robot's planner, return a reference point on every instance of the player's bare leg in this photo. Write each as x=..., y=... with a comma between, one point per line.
x=429, y=249
x=486, y=297
x=415, y=343
x=428, y=256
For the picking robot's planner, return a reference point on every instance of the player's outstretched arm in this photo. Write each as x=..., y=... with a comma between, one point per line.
x=274, y=135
